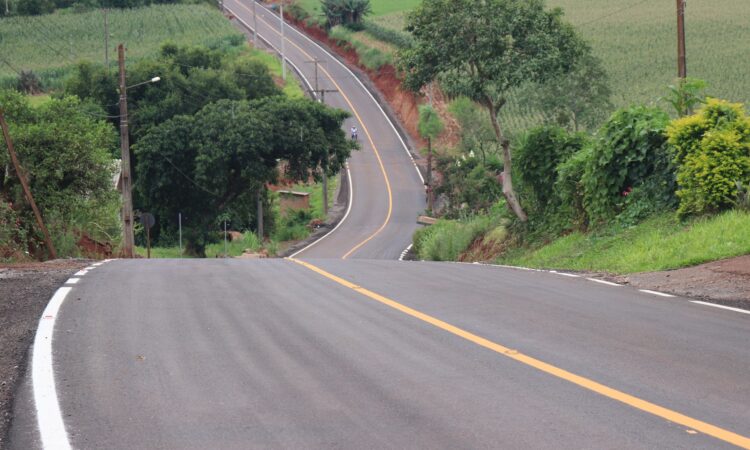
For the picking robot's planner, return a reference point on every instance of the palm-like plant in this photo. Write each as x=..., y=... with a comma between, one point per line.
x=345, y=12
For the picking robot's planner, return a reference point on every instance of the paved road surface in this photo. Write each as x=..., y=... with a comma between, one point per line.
x=270, y=354
x=370, y=205
x=365, y=353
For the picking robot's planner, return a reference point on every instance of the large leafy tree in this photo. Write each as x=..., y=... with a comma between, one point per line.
x=482, y=49
x=210, y=163
x=65, y=153
x=578, y=100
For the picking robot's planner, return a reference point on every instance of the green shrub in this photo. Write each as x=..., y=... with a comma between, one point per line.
x=12, y=233
x=398, y=38
x=537, y=158
x=447, y=239
x=569, y=187
x=630, y=149
x=712, y=150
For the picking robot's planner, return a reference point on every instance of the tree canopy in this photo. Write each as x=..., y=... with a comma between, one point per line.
x=206, y=164
x=483, y=49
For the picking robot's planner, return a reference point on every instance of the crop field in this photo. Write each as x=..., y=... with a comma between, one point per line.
x=51, y=44
x=636, y=41
x=379, y=7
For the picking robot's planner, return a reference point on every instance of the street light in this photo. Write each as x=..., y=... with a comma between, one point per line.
x=128, y=240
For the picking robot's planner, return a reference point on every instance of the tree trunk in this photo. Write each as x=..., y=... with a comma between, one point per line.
x=508, y=192
x=430, y=194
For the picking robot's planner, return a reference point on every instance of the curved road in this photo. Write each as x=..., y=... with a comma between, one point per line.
x=388, y=192
x=322, y=352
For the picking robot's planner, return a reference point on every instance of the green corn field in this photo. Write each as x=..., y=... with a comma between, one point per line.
x=51, y=44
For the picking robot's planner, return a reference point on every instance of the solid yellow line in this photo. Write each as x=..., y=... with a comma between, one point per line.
x=364, y=128
x=635, y=402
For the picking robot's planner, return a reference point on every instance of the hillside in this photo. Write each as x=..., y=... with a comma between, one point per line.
x=51, y=44
x=636, y=41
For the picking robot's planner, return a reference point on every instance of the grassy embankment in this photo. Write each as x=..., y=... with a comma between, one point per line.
x=660, y=243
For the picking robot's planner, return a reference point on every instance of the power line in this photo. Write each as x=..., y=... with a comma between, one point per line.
x=613, y=13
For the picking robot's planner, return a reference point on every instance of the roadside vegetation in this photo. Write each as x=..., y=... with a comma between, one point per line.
x=206, y=140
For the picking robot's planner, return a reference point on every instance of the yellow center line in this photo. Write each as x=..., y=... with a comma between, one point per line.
x=364, y=128
x=630, y=400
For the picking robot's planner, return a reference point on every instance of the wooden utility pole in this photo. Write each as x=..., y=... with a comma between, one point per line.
x=430, y=194
x=106, y=41
x=127, y=195
x=320, y=94
x=255, y=26
x=681, y=58
x=25, y=186
x=283, y=40
x=260, y=214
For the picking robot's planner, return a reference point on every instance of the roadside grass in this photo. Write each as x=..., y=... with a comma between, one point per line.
x=292, y=88
x=660, y=243
x=52, y=44
x=234, y=248
x=286, y=229
x=379, y=7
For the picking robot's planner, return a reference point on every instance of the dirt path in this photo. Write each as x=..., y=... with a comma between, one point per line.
x=25, y=290
x=726, y=281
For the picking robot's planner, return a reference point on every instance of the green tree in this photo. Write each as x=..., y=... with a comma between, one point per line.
x=476, y=131
x=345, y=12
x=65, y=153
x=483, y=49
x=430, y=126
x=579, y=99
x=685, y=95
x=213, y=162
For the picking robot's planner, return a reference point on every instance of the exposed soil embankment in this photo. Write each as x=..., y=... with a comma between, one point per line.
x=403, y=103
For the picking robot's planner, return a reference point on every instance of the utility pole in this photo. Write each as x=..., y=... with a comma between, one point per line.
x=127, y=196
x=681, y=62
x=260, y=214
x=7, y=10
x=255, y=26
x=106, y=40
x=320, y=94
x=25, y=186
x=283, y=41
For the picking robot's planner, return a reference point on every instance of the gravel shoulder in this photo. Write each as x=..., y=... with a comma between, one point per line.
x=25, y=290
x=726, y=282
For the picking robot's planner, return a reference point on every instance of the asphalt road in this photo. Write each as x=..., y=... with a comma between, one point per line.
x=270, y=354
x=321, y=352
x=383, y=213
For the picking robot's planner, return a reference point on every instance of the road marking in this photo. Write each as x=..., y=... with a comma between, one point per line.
x=49, y=417
x=660, y=294
x=608, y=283
x=729, y=308
x=72, y=280
x=348, y=210
x=586, y=383
x=361, y=122
x=405, y=252
x=81, y=273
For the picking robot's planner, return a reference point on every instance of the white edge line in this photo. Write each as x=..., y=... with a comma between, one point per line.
x=406, y=250
x=660, y=294
x=398, y=135
x=608, y=283
x=348, y=172
x=81, y=273
x=571, y=275
x=343, y=219
x=49, y=418
x=729, y=308
x=72, y=280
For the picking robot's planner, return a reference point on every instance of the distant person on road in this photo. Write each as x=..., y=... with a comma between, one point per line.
x=354, y=133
